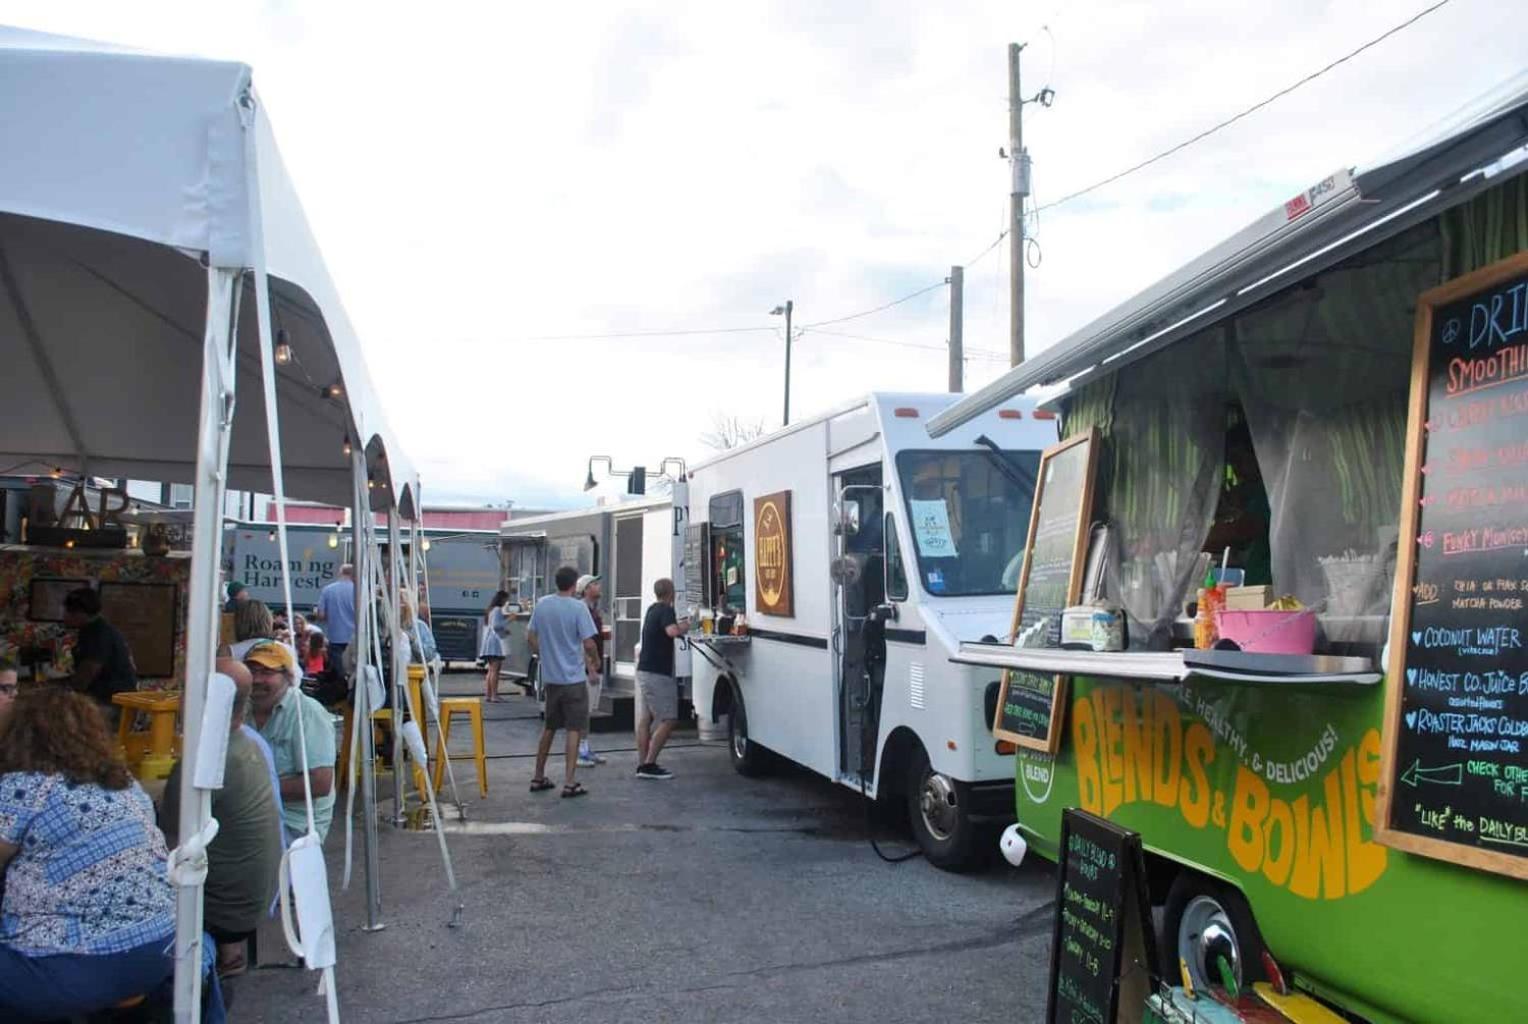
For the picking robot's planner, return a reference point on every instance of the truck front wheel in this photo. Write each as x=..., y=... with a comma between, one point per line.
x=938, y=809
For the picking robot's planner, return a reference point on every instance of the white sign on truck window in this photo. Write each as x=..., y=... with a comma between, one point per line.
x=931, y=528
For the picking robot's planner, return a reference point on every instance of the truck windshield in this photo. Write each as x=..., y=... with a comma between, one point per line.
x=968, y=513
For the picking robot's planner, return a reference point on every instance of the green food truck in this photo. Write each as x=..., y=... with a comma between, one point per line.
x=1335, y=403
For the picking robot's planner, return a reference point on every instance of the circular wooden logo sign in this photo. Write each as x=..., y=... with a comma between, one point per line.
x=771, y=545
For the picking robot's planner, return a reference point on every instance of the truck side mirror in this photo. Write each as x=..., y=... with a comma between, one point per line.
x=846, y=520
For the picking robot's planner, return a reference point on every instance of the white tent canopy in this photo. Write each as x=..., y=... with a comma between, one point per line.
x=152, y=250
x=121, y=174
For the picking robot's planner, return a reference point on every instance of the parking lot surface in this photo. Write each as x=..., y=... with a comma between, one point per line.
x=706, y=898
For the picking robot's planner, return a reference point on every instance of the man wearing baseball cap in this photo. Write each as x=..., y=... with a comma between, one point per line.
x=277, y=703
x=588, y=589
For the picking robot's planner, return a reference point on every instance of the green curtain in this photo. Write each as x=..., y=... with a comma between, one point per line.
x=1490, y=227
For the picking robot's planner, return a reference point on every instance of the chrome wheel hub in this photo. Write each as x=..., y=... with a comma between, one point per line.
x=939, y=806
x=1206, y=940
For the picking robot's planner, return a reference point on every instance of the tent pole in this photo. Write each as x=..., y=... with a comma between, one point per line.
x=359, y=647
x=214, y=428
x=395, y=671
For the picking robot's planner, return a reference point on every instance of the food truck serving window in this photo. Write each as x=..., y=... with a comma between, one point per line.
x=968, y=513
x=726, y=512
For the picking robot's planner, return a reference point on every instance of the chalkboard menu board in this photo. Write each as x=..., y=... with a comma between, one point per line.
x=1029, y=704
x=145, y=615
x=1101, y=942
x=1456, y=728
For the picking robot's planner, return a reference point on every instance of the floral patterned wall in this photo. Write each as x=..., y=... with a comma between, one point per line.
x=20, y=565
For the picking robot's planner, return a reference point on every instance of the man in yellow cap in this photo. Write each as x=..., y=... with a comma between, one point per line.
x=277, y=703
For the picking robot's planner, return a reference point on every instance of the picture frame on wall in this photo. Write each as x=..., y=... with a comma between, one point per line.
x=45, y=600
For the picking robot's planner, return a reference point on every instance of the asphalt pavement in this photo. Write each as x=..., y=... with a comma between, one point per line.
x=710, y=897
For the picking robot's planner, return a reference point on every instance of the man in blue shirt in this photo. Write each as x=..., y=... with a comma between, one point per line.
x=561, y=633
x=336, y=610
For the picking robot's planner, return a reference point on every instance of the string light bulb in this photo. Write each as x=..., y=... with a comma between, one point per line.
x=283, y=347
x=346, y=447
x=334, y=540
x=335, y=391
x=426, y=545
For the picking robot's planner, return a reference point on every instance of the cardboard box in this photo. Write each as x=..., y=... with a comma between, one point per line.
x=1249, y=599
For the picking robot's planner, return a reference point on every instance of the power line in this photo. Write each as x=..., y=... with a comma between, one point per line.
x=642, y=334
x=895, y=302
x=1250, y=110
x=970, y=353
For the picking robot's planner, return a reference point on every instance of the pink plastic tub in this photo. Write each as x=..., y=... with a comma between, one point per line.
x=1270, y=632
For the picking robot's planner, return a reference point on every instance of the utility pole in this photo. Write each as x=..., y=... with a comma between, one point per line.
x=785, y=310
x=957, y=327
x=1018, y=162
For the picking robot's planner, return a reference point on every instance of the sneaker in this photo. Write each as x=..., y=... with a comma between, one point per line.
x=654, y=771
x=598, y=758
x=586, y=761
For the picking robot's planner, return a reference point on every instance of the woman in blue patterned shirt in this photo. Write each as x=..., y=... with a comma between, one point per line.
x=88, y=917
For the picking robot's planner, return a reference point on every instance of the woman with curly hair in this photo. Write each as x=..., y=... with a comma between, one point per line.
x=89, y=914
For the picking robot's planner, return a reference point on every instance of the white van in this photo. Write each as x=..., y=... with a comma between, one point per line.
x=882, y=550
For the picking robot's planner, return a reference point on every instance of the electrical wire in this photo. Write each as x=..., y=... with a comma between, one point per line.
x=1250, y=110
x=969, y=353
x=643, y=334
x=894, y=302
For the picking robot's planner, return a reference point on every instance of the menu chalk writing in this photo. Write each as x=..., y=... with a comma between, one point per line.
x=1457, y=714
x=1029, y=704
x=1100, y=892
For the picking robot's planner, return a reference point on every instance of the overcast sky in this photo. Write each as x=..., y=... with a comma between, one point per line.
x=484, y=177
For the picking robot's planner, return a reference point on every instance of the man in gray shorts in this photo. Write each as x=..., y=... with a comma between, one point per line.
x=655, y=680
x=561, y=634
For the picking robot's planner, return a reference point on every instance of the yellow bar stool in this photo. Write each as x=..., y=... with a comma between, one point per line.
x=472, y=707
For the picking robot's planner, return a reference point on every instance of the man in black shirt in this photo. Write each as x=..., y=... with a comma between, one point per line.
x=656, y=682
x=102, y=663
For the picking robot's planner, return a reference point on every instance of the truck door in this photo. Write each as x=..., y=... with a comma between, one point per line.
x=859, y=638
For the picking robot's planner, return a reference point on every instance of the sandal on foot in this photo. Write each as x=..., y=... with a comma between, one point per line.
x=540, y=785
x=577, y=789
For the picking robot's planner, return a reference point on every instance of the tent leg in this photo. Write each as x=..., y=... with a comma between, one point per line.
x=395, y=679
x=359, y=645
x=214, y=427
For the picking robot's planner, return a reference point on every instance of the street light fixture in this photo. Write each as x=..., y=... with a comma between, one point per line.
x=636, y=477
x=785, y=311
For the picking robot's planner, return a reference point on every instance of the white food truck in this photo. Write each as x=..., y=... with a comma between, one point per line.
x=860, y=554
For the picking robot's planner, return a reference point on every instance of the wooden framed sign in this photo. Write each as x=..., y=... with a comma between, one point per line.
x=1454, y=776
x=145, y=615
x=1029, y=704
x=772, y=552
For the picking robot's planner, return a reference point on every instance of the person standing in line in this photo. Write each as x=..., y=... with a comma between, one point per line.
x=656, y=682
x=336, y=610
x=495, y=644
x=103, y=664
x=588, y=588
x=562, y=635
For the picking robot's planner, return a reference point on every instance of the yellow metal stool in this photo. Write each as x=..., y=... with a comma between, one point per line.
x=386, y=715
x=472, y=707
x=162, y=708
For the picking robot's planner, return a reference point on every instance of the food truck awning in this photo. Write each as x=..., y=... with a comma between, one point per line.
x=1340, y=214
x=124, y=175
